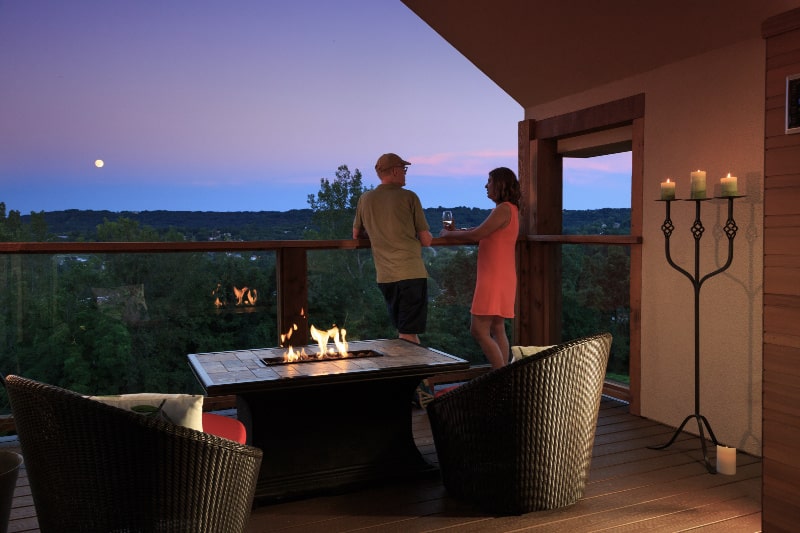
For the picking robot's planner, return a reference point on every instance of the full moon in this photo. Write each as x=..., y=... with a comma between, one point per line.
x=99, y=163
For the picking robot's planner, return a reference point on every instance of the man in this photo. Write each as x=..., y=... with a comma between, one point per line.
x=391, y=217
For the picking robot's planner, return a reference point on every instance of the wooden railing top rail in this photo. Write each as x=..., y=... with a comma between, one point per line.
x=176, y=246
x=224, y=246
x=587, y=239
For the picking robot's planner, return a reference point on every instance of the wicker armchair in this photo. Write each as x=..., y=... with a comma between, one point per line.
x=93, y=467
x=520, y=438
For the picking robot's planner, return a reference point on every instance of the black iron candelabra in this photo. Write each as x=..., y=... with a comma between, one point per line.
x=697, y=281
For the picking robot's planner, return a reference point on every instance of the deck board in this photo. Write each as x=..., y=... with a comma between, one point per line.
x=630, y=488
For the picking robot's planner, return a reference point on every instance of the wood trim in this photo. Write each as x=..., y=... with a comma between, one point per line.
x=546, y=201
x=635, y=282
x=191, y=246
x=524, y=304
x=542, y=285
x=524, y=326
x=170, y=247
x=525, y=129
x=622, y=240
x=618, y=391
x=785, y=22
x=599, y=117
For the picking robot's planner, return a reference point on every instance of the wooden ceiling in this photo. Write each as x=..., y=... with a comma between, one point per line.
x=542, y=50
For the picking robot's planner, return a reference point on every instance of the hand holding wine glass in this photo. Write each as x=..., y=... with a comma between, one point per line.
x=447, y=220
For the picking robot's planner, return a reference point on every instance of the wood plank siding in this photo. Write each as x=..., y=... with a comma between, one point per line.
x=781, y=374
x=630, y=488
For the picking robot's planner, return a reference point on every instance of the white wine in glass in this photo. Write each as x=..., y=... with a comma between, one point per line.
x=447, y=220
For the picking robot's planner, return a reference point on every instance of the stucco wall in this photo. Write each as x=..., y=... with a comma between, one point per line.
x=703, y=113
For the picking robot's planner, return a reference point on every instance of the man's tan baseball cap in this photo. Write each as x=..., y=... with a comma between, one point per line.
x=387, y=161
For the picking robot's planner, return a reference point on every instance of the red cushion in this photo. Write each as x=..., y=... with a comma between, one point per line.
x=224, y=426
x=446, y=389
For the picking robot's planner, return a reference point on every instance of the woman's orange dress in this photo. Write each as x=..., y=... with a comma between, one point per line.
x=496, y=286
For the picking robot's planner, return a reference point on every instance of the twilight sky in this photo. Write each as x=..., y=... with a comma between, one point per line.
x=244, y=105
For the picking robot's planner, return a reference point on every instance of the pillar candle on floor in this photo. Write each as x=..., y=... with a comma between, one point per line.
x=726, y=460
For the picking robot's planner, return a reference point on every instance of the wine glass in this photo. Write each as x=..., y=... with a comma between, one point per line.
x=447, y=220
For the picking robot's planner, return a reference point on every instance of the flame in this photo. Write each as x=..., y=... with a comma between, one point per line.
x=243, y=297
x=239, y=293
x=218, y=290
x=252, y=296
x=288, y=335
x=291, y=356
x=338, y=336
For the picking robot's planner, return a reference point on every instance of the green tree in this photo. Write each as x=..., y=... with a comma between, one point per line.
x=10, y=225
x=334, y=206
x=595, y=298
x=125, y=230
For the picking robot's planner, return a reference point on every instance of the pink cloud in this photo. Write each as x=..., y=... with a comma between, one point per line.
x=596, y=170
x=462, y=164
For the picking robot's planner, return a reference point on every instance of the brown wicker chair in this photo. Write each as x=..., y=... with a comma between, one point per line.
x=519, y=438
x=97, y=468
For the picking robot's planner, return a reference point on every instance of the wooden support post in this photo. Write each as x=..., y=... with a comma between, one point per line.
x=292, y=280
x=539, y=274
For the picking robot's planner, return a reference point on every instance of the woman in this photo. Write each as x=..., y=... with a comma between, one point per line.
x=496, y=285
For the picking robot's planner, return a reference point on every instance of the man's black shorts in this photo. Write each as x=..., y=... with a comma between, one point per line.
x=407, y=302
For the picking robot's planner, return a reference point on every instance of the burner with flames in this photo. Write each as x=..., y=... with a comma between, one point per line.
x=326, y=353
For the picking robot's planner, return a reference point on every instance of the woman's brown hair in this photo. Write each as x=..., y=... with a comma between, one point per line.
x=506, y=185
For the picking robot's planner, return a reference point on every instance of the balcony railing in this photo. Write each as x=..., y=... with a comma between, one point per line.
x=112, y=317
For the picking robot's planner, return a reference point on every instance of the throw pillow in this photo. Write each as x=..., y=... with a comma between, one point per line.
x=181, y=409
x=519, y=352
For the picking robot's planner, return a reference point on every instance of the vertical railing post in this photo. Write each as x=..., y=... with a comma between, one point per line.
x=292, y=281
x=540, y=285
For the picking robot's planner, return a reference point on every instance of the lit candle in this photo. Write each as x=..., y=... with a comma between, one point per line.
x=726, y=460
x=729, y=187
x=698, y=184
x=667, y=190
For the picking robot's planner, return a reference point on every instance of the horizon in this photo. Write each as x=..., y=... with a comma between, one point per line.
x=124, y=211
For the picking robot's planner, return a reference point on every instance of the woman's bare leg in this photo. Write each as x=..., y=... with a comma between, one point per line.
x=500, y=337
x=490, y=333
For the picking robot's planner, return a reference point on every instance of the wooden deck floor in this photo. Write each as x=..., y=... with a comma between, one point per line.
x=631, y=488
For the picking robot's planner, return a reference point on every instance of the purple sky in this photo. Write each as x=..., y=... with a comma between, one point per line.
x=244, y=106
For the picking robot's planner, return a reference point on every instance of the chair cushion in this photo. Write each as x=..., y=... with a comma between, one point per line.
x=225, y=427
x=181, y=409
x=448, y=388
x=519, y=352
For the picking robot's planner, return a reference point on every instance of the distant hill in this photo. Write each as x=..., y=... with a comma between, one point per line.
x=74, y=224
x=195, y=225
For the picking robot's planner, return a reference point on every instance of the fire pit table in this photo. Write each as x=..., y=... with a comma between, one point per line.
x=331, y=423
